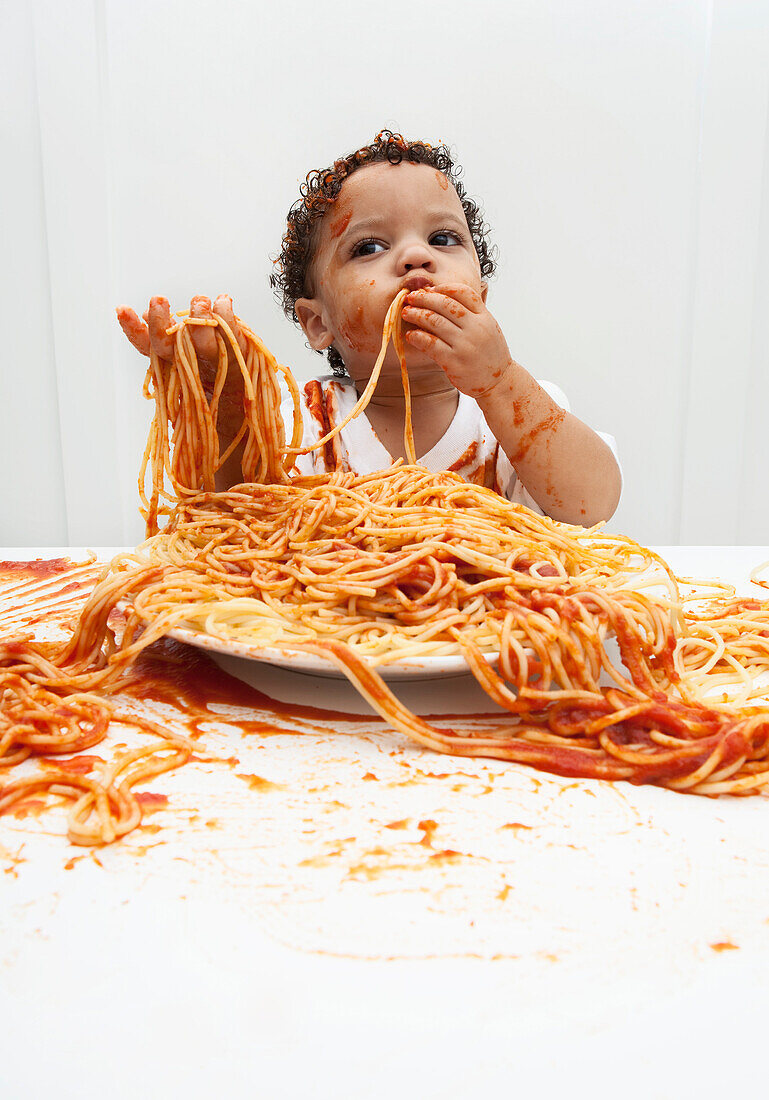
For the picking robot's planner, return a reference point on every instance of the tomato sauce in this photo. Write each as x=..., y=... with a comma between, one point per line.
x=39, y=568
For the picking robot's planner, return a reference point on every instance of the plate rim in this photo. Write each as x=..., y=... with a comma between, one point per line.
x=431, y=665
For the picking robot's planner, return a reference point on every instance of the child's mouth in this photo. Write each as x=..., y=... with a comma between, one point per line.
x=416, y=282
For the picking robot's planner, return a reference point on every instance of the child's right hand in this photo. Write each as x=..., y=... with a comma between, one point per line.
x=151, y=332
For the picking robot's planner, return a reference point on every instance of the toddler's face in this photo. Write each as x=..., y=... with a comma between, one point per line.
x=392, y=226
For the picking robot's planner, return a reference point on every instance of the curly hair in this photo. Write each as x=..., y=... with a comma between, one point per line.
x=292, y=274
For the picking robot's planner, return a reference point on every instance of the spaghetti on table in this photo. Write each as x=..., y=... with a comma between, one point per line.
x=366, y=570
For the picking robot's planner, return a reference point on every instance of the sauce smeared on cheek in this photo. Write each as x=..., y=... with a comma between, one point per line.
x=359, y=331
x=351, y=329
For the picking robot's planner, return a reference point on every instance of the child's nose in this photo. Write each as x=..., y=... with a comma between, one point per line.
x=415, y=255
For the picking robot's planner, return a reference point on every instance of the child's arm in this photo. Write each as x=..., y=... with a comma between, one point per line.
x=151, y=332
x=568, y=469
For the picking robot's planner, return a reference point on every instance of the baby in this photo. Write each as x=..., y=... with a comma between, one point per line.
x=388, y=217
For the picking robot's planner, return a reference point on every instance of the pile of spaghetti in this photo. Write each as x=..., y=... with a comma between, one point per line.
x=371, y=569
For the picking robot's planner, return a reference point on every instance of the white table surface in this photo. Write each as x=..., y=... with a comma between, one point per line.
x=284, y=942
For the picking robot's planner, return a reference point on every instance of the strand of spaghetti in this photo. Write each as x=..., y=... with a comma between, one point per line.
x=235, y=443
x=102, y=795
x=393, y=314
x=222, y=364
x=256, y=431
x=378, y=695
x=273, y=365
x=400, y=351
x=157, y=449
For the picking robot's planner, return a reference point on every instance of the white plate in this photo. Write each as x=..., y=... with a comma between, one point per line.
x=408, y=668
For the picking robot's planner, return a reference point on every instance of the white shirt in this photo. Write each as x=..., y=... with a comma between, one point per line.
x=467, y=448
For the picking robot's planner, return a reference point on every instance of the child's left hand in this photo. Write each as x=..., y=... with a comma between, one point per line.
x=456, y=330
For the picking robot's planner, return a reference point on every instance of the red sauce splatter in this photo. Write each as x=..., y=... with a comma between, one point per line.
x=549, y=424
x=520, y=405
x=313, y=396
x=355, y=330
x=258, y=783
x=466, y=457
x=332, y=455
x=447, y=855
x=724, y=945
x=75, y=586
x=319, y=411
x=233, y=761
x=264, y=729
x=736, y=606
x=183, y=677
x=546, y=570
x=151, y=800
x=27, y=806
x=40, y=567
x=180, y=676
x=338, y=227
x=460, y=719
x=76, y=765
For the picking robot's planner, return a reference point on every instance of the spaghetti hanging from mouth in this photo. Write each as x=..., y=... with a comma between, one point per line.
x=393, y=330
x=364, y=570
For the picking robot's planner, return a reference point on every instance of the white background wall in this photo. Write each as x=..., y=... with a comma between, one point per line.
x=620, y=148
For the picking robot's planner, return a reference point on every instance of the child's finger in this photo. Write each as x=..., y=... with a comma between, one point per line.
x=461, y=293
x=431, y=345
x=431, y=321
x=136, y=330
x=223, y=308
x=203, y=337
x=158, y=321
x=440, y=303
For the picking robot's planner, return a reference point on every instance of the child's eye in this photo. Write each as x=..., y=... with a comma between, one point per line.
x=367, y=248
x=444, y=238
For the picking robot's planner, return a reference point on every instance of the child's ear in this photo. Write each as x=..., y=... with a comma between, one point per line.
x=310, y=315
x=484, y=291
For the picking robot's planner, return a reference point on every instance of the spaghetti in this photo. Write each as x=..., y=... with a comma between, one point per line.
x=366, y=570
x=391, y=331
